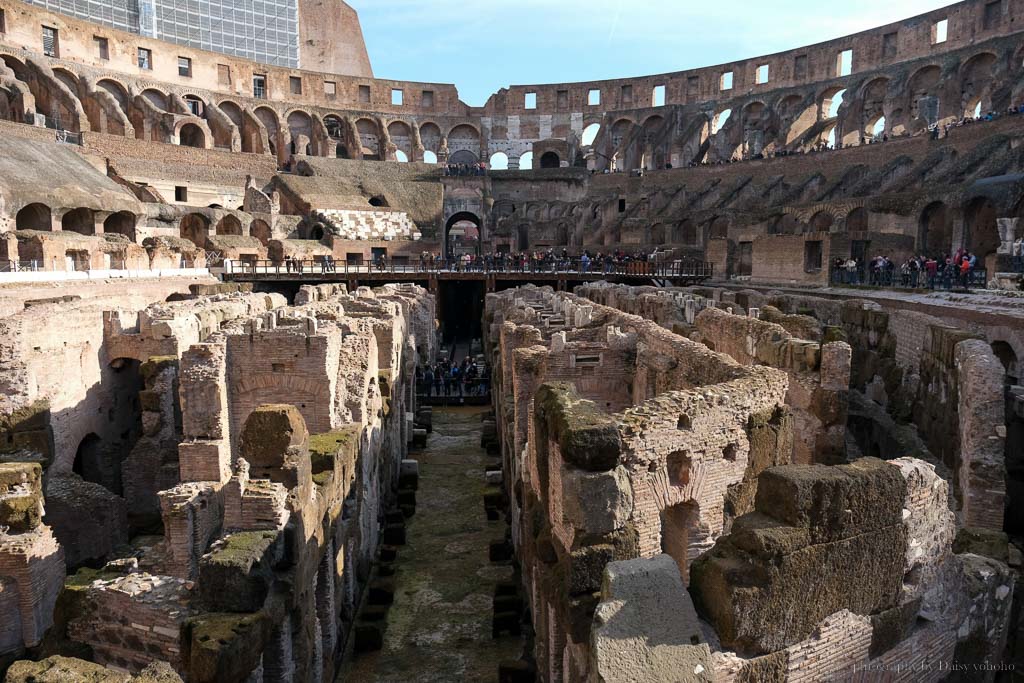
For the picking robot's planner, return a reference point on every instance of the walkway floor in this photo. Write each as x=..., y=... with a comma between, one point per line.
x=439, y=627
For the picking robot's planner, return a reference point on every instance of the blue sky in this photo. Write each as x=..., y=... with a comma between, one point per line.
x=484, y=45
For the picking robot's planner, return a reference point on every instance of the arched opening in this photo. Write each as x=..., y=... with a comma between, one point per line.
x=117, y=91
x=464, y=144
x=268, y=117
x=523, y=237
x=1006, y=355
x=876, y=129
x=526, y=162
x=719, y=228
x=820, y=222
x=678, y=524
x=982, y=233
x=98, y=459
x=463, y=156
x=719, y=120
x=430, y=138
x=34, y=217
x=429, y=157
x=195, y=227
x=229, y=225
x=797, y=118
x=462, y=234
x=369, y=139
x=261, y=231
x=401, y=157
x=688, y=234
x=191, y=135
x=923, y=88
x=81, y=220
x=976, y=82
x=378, y=200
x=233, y=112
x=873, y=109
x=936, y=231
x=590, y=134
x=857, y=220
x=195, y=105
x=156, y=98
x=401, y=137
x=549, y=160
x=121, y=223
x=498, y=162
x=831, y=103
x=317, y=233
x=829, y=136
x=300, y=125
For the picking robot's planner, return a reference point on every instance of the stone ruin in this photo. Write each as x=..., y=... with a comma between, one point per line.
x=256, y=497
x=686, y=503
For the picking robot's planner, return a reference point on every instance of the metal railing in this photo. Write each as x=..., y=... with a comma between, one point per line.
x=945, y=278
x=680, y=268
x=19, y=266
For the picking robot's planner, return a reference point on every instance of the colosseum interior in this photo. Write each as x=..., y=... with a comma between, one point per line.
x=713, y=375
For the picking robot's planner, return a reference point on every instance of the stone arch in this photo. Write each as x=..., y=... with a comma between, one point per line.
x=155, y=97
x=300, y=128
x=686, y=233
x=229, y=225
x=679, y=529
x=461, y=217
x=195, y=227
x=69, y=79
x=754, y=118
x=233, y=111
x=719, y=227
x=401, y=137
x=81, y=220
x=191, y=135
x=118, y=91
x=857, y=220
x=935, y=233
x=820, y=222
x=369, y=138
x=976, y=76
x=272, y=122
x=981, y=231
x=498, y=162
x=797, y=117
x=261, y=231
x=121, y=223
x=550, y=159
x=464, y=138
x=590, y=134
x=923, y=91
x=34, y=216
x=430, y=137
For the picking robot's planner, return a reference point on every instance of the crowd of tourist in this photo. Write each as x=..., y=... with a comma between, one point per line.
x=465, y=169
x=446, y=378
x=538, y=261
x=917, y=272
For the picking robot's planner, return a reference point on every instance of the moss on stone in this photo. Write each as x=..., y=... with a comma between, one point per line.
x=33, y=416
x=324, y=447
x=243, y=547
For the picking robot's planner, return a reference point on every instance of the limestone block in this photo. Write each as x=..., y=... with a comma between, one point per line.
x=203, y=391
x=237, y=573
x=836, y=359
x=645, y=627
x=596, y=502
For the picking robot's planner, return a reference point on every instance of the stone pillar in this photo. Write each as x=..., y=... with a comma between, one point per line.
x=205, y=453
x=1007, y=234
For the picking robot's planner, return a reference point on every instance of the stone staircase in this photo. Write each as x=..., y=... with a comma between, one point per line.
x=352, y=224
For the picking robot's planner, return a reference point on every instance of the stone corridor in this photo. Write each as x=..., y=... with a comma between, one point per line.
x=439, y=627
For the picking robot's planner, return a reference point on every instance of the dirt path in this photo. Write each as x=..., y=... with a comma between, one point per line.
x=439, y=627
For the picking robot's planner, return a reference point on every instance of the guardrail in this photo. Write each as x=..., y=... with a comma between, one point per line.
x=682, y=268
x=947, y=279
x=19, y=266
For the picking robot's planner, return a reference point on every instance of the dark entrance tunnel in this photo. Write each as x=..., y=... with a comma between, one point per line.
x=460, y=311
